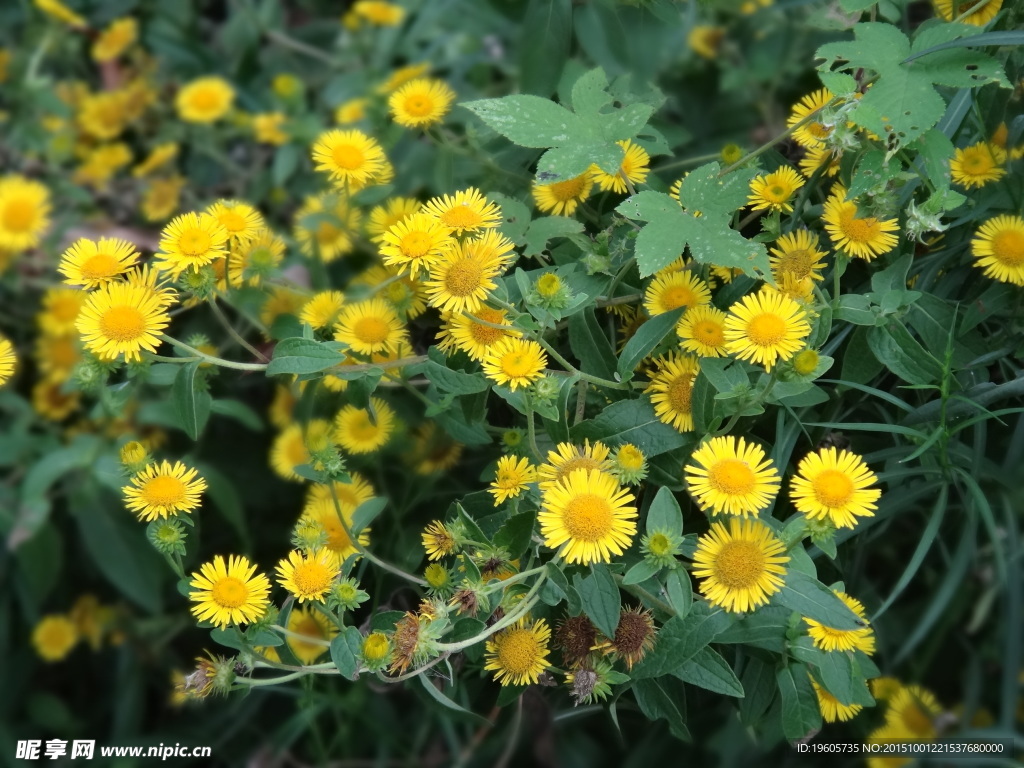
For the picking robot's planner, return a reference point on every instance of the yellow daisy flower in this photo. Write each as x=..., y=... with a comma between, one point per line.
x=229, y=592
x=379, y=12
x=829, y=639
x=766, y=327
x=515, y=362
x=415, y=244
x=634, y=167
x=975, y=166
x=60, y=308
x=323, y=514
x=438, y=541
x=462, y=331
x=267, y=128
x=308, y=576
x=403, y=75
x=158, y=157
x=463, y=276
x=204, y=100
x=104, y=115
x=519, y=654
x=389, y=213
x=834, y=485
x=326, y=226
x=831, y=708
x=8, y=360
x=54, y=637
x=316, y=627
x=562, y=197
x=351, y=495
x=24, y=212
x=351, y=111
x=731, y=476
x=402, y=291
x=952, y=10
x=161, y=198
x=511, y=478
x=241, y=221
x=323, y=309
x=370, y=326
x=740, y=567
x=567, y=458
x=350, y=158
x=913, y=709
x=814, y=134
x=123, y=318
x=998, y=248
x=865, y=237
x=465, y=211
x=191, y=241
x=702, y=331
x=118, y=37
x=163, y=490
x=671, y=390
x=587, y=516
x=797, y=253
x=51, y=402
x=814, y=159
x=775, y=191
x=705, y=40
x=358, y=431
x=258, y=258
x=291, y=448
x=91, y=263
x=421, y=103
x=672, y=289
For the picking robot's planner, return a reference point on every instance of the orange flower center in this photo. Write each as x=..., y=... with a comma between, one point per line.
x=464, y=277
x=732, y=477
x=766, y=329
x=588, y=517
x=123, y=323
x=163, y=491
x=19, y=215
x=229, y=592
x=371, y=330
x=348, y=156
x=1008, y=247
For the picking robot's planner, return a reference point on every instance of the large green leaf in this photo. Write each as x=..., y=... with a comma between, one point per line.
x=601, y=599
x=303, y=356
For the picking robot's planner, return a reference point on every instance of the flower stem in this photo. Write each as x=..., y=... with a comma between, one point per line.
x=219, y=361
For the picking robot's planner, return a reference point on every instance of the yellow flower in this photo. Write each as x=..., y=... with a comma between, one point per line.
x=370, y=326
x=376, y=650
x=378, y=12
x=519, y=654
x=364, y=430
x=774, y=191
x=204, y=100
x=252, y=261
x=511, y=478
x=8, y=360
x=402, y=76
x=281, y=301
x=308, y=577
x=475, y=339
x=797, y=253
x=241, y=221
x=415, y=243
x=318, y=630
x=806, y=362
x=421, y=103
x=60, y=12
x=104, y=115
x=831, y=708
x=91, y=263
x=829, y=639
x=191, y=241
x=437, y=541
x=705, y=40
x=158, y=157
x=162, y=197
x=389, y=213
x=515, y=362
x=766, y=327
x=54, y=637
x=702, y=330
x=975, y=166
x=634, y=167
x=740, y=567
x=292, y=447
x=101, y=163
x=672, y=289
x=834, y=485
x=952, y=10
x=351, y=111
x=567, y=458
x=118, y=37
x=672, y=390
x=730, y=475
x=351, y=158
x=811, y=135
x=60, y=310
x=229, y=592
x=163, y=490
x=322, y=310
x=562, y=197
x=123, y=318
x=326, y=225
x=998, y=248
x=913, y=710
x=24, y=212
x=267, y=127
x=587, y=516
x=406, y=294
x=350, y=495
x=463, y=276
x=813, y=159
x=323, y=514
x=286, y=85
x=465, y=211
x=865, y=237
x=51, y=402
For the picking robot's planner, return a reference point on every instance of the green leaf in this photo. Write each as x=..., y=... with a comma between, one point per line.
x=515, y=534
x=560, y=163
x=530, y=121
x=663, y=699
x=229, y=637
x=239, y=411
x=632, y=421
x=641, y=572
x=590, y=344
x=589, y=92
x=647, y=337
x=679, y=590
x=996, y=38
x=367, y=512
x=303, y=356
x=837, y=675
x=547, y=228
x=855, y=308
x=715, y=196
x=708, y=670
x=346, y=650
x=702, y=404
x=191, y=403
x=456, y=382
x=34, y=508
x=385, y=621
x=545, y=42
x=439, y=697
x=759, y=687
x=664, y=513
x=894, y=347
x=465, y=628
x=813, y=600
x=601, y=599
x=557, y=578
x=800, y=713
x=679, y=640
x=286, y=162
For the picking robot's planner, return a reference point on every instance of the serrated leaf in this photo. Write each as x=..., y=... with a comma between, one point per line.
x=547, y=228
x=531, y=121
x=560, y=163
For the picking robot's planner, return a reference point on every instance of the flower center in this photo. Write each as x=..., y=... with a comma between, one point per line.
x=766, y=329
x=371, y=330
x=205, y=99
x=337, y=539
x=859, y=230
x=419, y=105
x=229, y=592
x=819, y=131
x=588, y=517
x=797, y=262
x=739, y=564
x=680, y=392
x=348, y=156
x=19, y=215
x=67, y=309
x=916, y=720
x=518, y=651
x=460, y=217
x=99, y=266
x=1008, y=247
x=659, y=545
x=833, y=488
x=326, y=233
x=677, y=296
x=233, y=222
x=415, y=244
x=311, y=577
x=732, y=477
x=517, y=364
x=569, y=189
x=464, y=277
x=709, y=332
x=309, y=627
x=484, y=334
x=194, y=242
x=123, y=323
x=777, y=193
x=164, y=491
x=362, y=429
x=577, y=462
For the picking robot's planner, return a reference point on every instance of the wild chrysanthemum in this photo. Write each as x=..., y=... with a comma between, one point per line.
x=402, y=291
x=358, y=430
x=797, y=253
x=350, y=494
x=674, y=289
x=326, y=226
x=191, y=241
x=204, y=100
x=91, y=263
x=268, y=128
x=322, y=310
x=829, y=639
x=630, y=465
x=350, y=158
x=474, y=338
x=240, y=220
x=587, y=517
x=323, y=515
x=975, y=166
x=370, y=326
x=229, y=592
x=862, y=236
x=671, y=390
x=293, y=446
x=54, y=637
x=567, y=458
x=8, y=360
x=312, y=632
x=813, y=134
x=705, y=40
x=24, y=212
x=766, y=327
x=164, y=490
x=775, y=191
x=835, y=485
x=415, y=243
x=60, y=308
x=729, y=475
x=511, y=478
x=634, y=168
x=465, y=211
x=392, y=211
x=161, y=198
x=979, y=15
x=462, y=278
x=561, y=198
x=913, y=710
x=740, y=567
x=438, y=541
x=379, y=12
x=519, y=654
x=123, y=319
x=831, y=708
x=421, y=103
x=308, y=576
x=998, y=248
x=702, y=331
x=515, y=362
x=118, y=37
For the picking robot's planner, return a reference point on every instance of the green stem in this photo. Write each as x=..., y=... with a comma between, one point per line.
x=532, y=436
x=575, y=371
x=270, y=680
x=211, y=359
x=298, y=636
x=528, y=602
x=287, y=41
x=223, y=319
